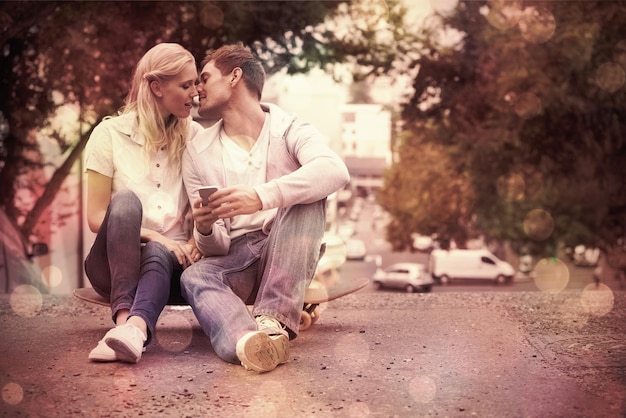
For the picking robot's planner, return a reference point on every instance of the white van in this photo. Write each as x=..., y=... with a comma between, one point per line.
x=446, y=265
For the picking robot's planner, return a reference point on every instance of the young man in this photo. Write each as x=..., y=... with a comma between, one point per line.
x=261, y=231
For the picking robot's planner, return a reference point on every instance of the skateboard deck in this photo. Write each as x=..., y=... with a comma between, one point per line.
x=315, y=295
x=89, y=295
x=318, y=293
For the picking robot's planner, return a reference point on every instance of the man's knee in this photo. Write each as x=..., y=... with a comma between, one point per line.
x=189, y=276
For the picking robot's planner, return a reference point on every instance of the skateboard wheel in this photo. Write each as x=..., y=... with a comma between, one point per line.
x=305, y=320
x=315, y=315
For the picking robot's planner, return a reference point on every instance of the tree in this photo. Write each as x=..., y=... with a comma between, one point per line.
x=529, y=108
x=81, y=54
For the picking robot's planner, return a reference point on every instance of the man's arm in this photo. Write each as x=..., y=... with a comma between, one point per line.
x=321, y=171
x=211, y=234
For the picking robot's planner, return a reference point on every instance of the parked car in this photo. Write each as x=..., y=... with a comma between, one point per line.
x=586, y=256
x=346, y=230
x=412, y=277
x=423, y=243
x=355, y=249
x=446, y=265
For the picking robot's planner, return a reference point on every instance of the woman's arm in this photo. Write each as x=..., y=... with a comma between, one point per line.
x=98, y=198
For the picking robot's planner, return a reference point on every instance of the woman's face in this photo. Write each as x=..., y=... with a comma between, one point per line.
x=175, y=97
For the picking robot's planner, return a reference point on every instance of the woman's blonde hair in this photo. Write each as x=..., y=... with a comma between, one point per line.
x=161, y=63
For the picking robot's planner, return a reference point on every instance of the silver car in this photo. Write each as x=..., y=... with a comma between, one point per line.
x=412, y=277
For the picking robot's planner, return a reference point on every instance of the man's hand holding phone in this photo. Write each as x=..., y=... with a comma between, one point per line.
x=205, y=192
x=202, y=214
x=232, y=201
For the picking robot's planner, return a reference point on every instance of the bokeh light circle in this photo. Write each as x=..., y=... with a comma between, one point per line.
x=503, y=14
x=261, y=407
x=174, y=332
x=52, y=276
x=610, y=77
x=527, y=105
x=358, y=410
x=522, y=182
x=551, y=275
x=12, y=394
x=422, y=389
x=537, y=25
x=26, y=301
x=511, y=187
x=211, y=17
x=273, y=390
x=123, y=379
x=538, y=225
x=159, y=203
x=534, y=182
x=597, y=300
x=269, y=398
x=619, y=53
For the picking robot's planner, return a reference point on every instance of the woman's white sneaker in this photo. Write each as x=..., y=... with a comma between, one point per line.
x=127, y=341
x=102, y=352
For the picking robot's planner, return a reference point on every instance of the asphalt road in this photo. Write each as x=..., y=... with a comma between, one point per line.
x=464, y=354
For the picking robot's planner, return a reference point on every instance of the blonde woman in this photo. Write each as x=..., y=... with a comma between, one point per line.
x=137, y=204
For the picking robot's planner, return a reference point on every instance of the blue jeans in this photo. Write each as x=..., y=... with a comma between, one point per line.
x=270, y=271
x=139, y=277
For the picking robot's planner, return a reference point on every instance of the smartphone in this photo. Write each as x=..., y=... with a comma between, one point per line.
x=205, y=192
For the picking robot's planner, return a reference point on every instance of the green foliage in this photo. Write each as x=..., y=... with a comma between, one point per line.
x=528, y=108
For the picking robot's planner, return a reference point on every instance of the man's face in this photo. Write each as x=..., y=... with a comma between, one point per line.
x=214, y=91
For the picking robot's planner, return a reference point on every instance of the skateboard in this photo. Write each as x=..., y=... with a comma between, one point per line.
x=315, y=295
x=89, y=295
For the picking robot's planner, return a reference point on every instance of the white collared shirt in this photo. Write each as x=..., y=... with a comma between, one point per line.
x=115, y=149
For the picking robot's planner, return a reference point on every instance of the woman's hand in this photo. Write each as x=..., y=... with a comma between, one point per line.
x=193, y=250
x=182, y=251
x=186, y=252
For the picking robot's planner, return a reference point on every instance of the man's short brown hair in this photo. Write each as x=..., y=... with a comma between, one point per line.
x=228, y=57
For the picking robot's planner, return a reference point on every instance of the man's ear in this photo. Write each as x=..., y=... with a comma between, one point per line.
x=155, y=86
x=236, y=75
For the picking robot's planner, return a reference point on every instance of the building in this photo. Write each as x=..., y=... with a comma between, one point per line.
x=366, y=144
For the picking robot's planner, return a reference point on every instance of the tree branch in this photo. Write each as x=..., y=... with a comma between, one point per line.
x=54, y=184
